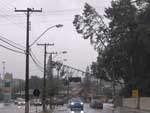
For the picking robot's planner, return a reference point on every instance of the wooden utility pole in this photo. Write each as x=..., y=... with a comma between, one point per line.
x=44, y=77
x=27, y=11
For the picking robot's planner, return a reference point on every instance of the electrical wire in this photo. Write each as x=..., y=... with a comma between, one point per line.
x=36, y=62
x=11, y=41
x=19, y=23
x=7, y=9
x=11, y=45
x=11, y=49
x=36, y=58
x=53, y=12
x=6, y=18
x=40, y=67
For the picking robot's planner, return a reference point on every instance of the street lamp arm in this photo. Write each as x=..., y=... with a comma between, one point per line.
x=59, y=25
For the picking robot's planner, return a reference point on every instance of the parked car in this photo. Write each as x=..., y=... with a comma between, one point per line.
x=97, y=104
x=110, y=101
x=58, y=101
x=19, y=101
x=36, y=102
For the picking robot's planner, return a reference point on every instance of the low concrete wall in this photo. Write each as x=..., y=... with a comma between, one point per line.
x=133, y=102
x=130, y=102
x=145, y=103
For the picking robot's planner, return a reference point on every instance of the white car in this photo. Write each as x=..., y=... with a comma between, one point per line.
x=20, y=101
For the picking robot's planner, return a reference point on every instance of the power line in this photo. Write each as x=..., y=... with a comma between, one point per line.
x=5, y=9
x=35, y=57
x=35, y=61
x=11, y=45
x=11, y=49
x=40, y=67
x=12, y=41
x=52, y=12
x=11, y=23
x=55, y=12
x=6, y=18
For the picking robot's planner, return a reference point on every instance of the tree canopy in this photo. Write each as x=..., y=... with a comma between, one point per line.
x=124, y=46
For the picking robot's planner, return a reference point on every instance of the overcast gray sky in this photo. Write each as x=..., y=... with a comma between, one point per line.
x=13, y=26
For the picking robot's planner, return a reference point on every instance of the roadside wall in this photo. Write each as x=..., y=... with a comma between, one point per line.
x=144, y=103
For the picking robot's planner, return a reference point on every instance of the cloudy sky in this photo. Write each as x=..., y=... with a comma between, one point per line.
x=13, y=27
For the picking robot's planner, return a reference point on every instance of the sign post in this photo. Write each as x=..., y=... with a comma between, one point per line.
x=7, y=87
x=135, y=93
x=36, y=93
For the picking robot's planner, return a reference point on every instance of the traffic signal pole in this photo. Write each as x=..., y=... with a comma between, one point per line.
x=27, y=57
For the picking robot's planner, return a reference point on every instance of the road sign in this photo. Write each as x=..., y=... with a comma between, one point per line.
x=135, y=93
x=36, y=92
x=7, y=84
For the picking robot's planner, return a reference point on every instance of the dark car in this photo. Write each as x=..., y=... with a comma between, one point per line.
x=97, y=104
x=76, y=106
x=58, y=101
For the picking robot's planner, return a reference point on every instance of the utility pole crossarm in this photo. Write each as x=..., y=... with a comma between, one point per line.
x=31, y=10
x=52, y=53
x=46, y=44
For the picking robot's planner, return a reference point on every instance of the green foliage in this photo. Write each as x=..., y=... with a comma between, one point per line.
x=127, y=52
x=91, y=27
x=53, y=87
x=87, y=80
x=35, y=82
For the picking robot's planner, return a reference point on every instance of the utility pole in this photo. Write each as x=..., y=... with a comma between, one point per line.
x=27, y=56
x=51, y=78
x=113, y=89
x=59, y=65
x=68, y=88
x=51, y=65
x=50, y=72
x=3, y=76
x=44, y=77
x=3, y=68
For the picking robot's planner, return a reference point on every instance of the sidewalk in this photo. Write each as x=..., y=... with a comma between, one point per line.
x=46, y=112
x=129, y=110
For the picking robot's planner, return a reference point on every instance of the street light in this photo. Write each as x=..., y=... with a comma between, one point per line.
x=56, y=53
x=57, y=26
x=61, y=60
x=64, y=52
x=59, y=64
x=44, y=80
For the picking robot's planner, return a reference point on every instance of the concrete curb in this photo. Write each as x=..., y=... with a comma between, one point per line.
x=129, y=110
x=46, y=112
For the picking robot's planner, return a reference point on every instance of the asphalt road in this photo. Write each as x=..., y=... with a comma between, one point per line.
x=17, y=109
x=63, y=109
x=60, y=109
x=107, y=109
